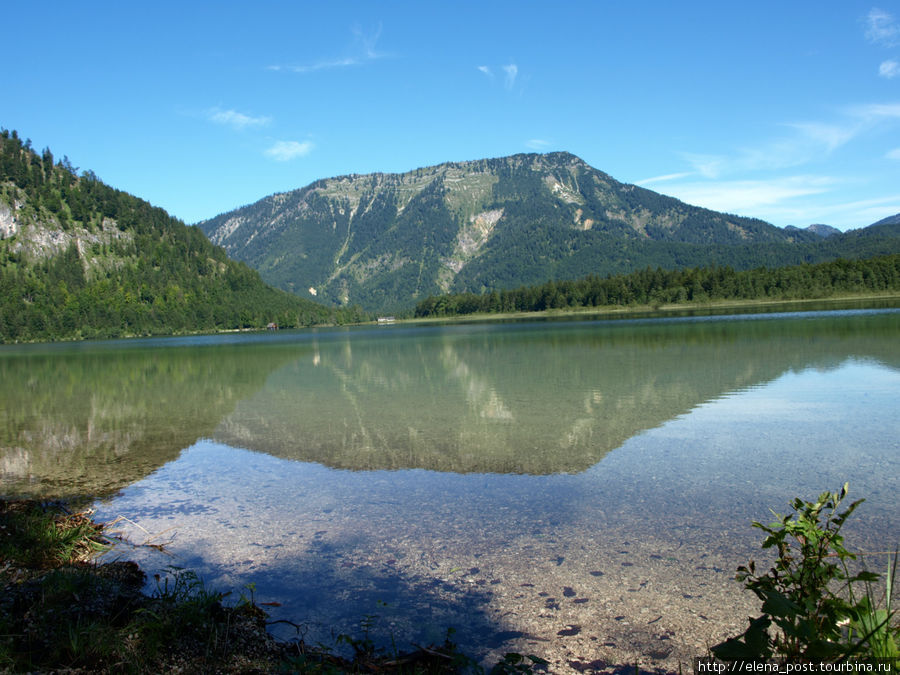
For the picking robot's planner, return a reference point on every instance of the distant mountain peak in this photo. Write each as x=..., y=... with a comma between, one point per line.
x=823, y=231
x=386, y=240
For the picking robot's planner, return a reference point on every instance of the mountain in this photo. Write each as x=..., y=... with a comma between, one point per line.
x=818, y=228
x=890, y=220
x=385, y=241
x=81, y=259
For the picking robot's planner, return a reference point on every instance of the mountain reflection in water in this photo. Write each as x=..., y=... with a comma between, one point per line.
x=537, y=398
x=525, y=399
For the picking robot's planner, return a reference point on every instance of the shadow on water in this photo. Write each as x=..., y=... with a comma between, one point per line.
x=317, y=585
x=392, y=607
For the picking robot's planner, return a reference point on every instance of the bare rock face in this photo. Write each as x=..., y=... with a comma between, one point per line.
x=38, y=238
x=9, y=226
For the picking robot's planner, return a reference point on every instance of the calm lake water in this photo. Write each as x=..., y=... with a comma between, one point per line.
x=531, y=484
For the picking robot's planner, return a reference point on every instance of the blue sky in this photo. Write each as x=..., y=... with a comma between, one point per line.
x=786, y=111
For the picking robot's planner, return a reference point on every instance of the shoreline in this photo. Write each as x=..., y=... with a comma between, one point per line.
x=606, y=311
x=627, y=311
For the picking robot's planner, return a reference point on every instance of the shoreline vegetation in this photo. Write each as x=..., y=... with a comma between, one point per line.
x=710, y=307
x=707, y=306
x=686, y=288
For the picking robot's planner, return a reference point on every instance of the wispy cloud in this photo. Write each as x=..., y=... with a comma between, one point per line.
x=319, y=65
x=882, y=28
x=367, y=41
x=235, y=119
x=889, y=69
x=708, y=166
x=750, y=196
x=284, y=151
x=763, y=180
x=856, y=213
x=875, y=112
x=537, y=144
x=510, y=74
x=804, y=142
x=362, y=51
x=825, y=136
x=511, y=70
x=665, y=178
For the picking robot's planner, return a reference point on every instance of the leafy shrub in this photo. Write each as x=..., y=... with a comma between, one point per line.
x=810, y=610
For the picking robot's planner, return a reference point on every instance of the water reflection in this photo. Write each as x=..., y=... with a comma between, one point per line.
x=526, y=399
x=580, y=473
x=514, y=398
x=79, y=422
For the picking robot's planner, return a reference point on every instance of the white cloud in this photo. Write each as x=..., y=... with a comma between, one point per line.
x=537, y=144
x=362, y=51
x=283, y=151
x=367, y=41
x=665, y=178
x=511, y=70
x=808, y=141
x=831, y=136
x=889, y=202
x=320, y=65
x=889, y=69
x=874, y=112
x=709, y=166
x=760, y=179
x=800, y=199
x=235, y=120
x=749, y=196
x=858, y=213
x=510, y=74
x=882, y=28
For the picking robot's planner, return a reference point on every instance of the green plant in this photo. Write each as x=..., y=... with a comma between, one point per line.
x=808, y=595
x=46, y=535
x=871, y=623
x=182, y=605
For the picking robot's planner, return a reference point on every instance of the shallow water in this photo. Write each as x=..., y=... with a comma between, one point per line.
x=580, y=489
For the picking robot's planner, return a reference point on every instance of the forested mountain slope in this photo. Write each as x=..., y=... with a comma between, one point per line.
x=386, y=241
x=81, y=259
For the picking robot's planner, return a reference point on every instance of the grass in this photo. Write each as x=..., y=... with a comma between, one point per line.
x=40, y=536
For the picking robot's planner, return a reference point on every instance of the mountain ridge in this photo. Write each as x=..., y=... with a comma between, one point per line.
x=81, y=259
x=386, y=240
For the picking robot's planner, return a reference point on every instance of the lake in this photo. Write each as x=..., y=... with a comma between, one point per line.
x=578, y=489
